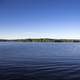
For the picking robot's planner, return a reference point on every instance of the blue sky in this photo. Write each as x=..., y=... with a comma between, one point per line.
x=39, y=19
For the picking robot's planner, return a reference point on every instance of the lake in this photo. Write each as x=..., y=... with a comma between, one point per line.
x=39, y=61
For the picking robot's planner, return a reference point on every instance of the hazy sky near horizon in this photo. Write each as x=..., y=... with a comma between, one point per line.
x=39, y=19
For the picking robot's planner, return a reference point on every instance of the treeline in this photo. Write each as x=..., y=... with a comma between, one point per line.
x=40, y=40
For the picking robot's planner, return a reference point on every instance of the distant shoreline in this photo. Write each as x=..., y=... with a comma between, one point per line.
x=40, y=40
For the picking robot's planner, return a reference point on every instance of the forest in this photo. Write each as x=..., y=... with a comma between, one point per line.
x=40, y=40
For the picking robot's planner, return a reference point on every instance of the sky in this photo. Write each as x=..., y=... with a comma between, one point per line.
x=40, y=19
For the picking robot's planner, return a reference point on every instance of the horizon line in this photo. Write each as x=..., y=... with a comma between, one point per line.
x=39, y=38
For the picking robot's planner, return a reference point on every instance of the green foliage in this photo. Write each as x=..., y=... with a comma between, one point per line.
x=41, y=40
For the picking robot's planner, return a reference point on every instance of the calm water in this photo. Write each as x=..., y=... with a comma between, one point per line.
x=39, y=61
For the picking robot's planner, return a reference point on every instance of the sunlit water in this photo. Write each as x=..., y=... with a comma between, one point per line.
x=39, y=61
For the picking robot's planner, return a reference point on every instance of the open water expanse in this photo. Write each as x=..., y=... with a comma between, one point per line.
x=39, y=61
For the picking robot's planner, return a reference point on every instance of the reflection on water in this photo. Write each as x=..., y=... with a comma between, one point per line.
x=39, y=61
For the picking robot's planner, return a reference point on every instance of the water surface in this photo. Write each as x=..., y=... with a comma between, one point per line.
x=39, y=61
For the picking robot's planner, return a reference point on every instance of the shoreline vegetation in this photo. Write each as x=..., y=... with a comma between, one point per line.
x=40, y=40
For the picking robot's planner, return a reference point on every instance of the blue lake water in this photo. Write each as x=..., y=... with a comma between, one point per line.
x=39, y=61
